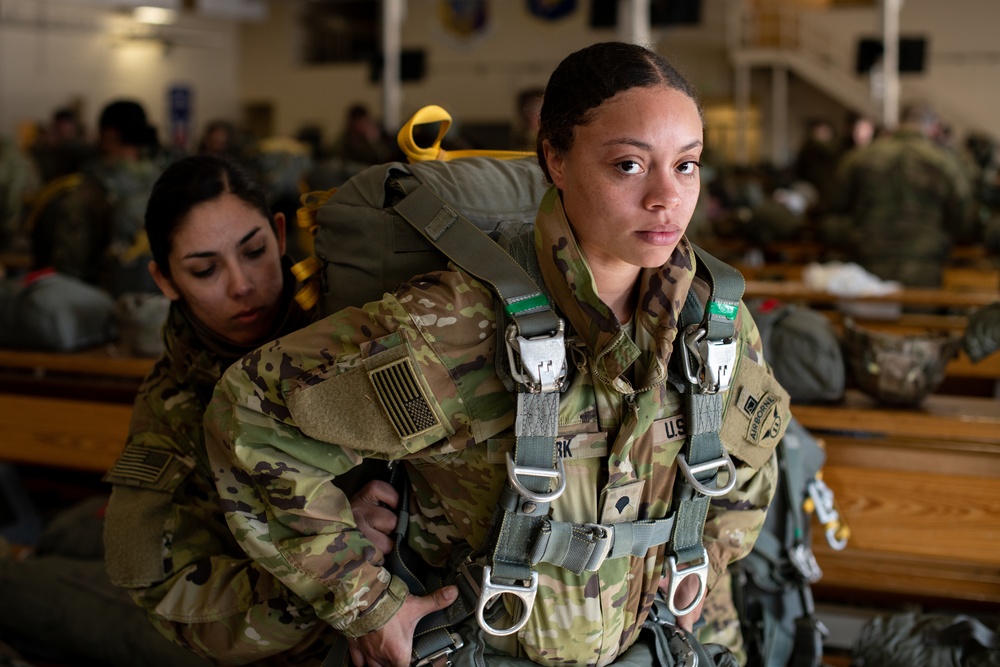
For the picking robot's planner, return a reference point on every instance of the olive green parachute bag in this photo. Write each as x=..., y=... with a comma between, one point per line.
x=363, y=248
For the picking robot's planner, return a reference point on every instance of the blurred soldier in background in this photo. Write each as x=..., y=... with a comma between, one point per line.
x=901, y=204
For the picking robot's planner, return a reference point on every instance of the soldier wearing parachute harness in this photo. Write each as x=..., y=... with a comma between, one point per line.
x=609, y=491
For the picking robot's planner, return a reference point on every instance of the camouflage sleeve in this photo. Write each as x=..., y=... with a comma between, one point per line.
x=276, y=481
x=755, y=418
x=960, y=217
x=170, y=548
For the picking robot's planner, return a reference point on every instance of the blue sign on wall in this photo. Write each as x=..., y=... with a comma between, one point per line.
x=180, y=103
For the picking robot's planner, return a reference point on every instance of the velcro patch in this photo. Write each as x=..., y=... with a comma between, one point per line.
x=621, y=504
x=403, y=398
x=764, y=414
x=756, y=414
x=141, y=464
x=670, y=429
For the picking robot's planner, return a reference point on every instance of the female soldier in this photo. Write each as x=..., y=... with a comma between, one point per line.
x=620, y=139
x=218, y=254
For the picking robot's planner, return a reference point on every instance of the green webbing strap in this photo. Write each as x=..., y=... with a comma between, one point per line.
x=580, y=547
x=466, y=245
x=535, y=431
x=534, y=463
x=702, y=453
x=727, y=286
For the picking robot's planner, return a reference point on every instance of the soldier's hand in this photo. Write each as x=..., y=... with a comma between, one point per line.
x=392, y=644
x=374, y=512
x=686, y=591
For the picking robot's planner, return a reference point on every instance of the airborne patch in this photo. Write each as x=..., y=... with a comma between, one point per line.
x=763, y=414
x=403, y=398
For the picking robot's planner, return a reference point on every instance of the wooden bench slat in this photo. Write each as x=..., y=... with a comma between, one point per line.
x=90, y=362
x=942, y=417
x=84, y=435
x=910, y=296
x=856, y=569
x=919, y=513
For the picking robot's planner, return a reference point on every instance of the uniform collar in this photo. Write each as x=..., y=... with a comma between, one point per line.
x=662, y=292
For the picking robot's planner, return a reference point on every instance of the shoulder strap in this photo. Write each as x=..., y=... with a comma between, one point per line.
x=708, y=347
x=537, y=353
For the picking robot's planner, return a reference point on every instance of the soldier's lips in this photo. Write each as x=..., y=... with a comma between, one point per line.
x=248, y=316
x=661, y=237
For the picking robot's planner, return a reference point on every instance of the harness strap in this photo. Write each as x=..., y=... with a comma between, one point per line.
x=583, y=547
x=537, y=356
x=466, y=245
x=709, y=355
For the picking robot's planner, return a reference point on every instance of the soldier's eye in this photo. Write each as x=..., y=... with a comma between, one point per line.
x=629, y=166
x=205, y=273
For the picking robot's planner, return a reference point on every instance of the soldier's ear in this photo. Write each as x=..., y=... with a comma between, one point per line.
x=554, y=161
x=163, y=282
x=280, y=232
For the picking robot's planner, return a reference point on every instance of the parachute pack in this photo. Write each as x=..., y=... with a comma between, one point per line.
x=395, y=221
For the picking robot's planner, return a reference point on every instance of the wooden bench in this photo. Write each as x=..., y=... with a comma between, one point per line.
x=920, y=491
x=954, y=278
x=64, y=433
x=67, y=409
x=906, y=297
x=101, y=373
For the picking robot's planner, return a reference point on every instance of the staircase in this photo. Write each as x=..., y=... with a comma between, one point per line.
x=773, y=33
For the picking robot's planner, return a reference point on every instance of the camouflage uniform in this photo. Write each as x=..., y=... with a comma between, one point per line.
x=906, y=201
x=99, y=234
x=295, y=414
x=166, y=540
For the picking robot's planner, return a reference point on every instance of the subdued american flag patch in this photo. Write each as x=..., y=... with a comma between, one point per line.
x=403, y=398
x=141, y=464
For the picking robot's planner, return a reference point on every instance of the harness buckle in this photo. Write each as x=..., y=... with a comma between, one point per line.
x=677, y=576
x=604, y=537
x=491, y=590
x=559, y=474
x=429, y=661
x=690, y=471
x=708, y=364
x=539, y=362
x=804, y=562
x=681, y=649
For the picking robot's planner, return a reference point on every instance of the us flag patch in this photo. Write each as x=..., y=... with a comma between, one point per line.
x=403, y=398
x=141, y=464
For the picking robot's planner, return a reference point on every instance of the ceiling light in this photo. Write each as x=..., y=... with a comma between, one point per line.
x=154, y=15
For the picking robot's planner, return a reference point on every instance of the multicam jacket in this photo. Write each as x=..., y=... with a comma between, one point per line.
x=906, y=201
x=291, y=417
x=166, y=539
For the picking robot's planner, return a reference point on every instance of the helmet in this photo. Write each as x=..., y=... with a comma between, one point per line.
x=897, y=369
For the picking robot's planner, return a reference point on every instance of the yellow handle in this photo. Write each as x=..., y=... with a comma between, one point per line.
x=429, y=114
x=435, y=114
